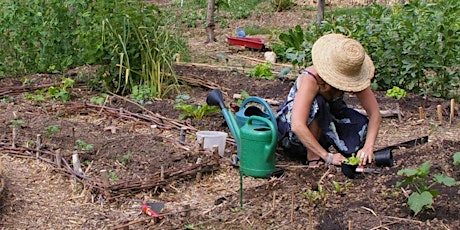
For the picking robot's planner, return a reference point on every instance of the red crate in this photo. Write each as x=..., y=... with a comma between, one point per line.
x=254, y=43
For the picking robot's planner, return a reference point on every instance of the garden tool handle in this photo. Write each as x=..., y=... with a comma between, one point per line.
x=266, y=106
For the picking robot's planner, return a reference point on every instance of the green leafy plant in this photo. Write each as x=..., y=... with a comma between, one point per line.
x=113, y=176
x=143, y=51
x=244, y=95
x=314, y=196
x=50, y=130
x=83, y=146
x=396, y=92
x=353, y=160
x=37, y=96
x=195, y=111
x=125, y=158
x=341, y=189
x=142, y=93
x=16, y=123
x=262, y=71
x=424, y=194
x=99, y=99
x=457, y=158
x=61, y=92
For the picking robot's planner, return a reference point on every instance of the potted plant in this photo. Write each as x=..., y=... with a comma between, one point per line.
x=349, y=166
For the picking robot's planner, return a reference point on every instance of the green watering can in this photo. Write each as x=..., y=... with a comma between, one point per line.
x=256, y=143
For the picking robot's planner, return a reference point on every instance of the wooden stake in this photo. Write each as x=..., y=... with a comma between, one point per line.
x=399, y=112
x=439, y=112
x=39, y=145
x=183, y=130
x=421, y=113
x=105, y=177
x=452, y=110
x=215, y=153
x=198, y=173
x=162, y=173
x=76, y=164
x=58, y=158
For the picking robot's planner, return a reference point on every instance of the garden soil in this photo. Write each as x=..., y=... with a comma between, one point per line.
x=135, y=155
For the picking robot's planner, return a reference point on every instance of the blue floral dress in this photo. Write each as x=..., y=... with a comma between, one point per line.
x=342, y=127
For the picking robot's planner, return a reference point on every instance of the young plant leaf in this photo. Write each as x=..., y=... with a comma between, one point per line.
x=418, y=201
x=445, y=180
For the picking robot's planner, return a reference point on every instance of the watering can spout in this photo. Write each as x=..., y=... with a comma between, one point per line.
x=215, y=98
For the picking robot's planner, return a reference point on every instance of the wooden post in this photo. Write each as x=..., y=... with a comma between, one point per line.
x=421, y=113
x=320, y=14
x=162, y=173
x=215, y=154
x=439, y=112
x=105, y=178
x=198, y=173
x=210, y=25
x=39, y=145
x=183, y=131
x=58, y=158
x=13, y=140
x=452, y=110
x=76, y=164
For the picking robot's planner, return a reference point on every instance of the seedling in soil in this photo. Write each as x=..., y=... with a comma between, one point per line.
x=99, y=99
x=16, y=123
x=195, y=111
x=113, y=176
x=457, y=158
x=341, y=189
x=424, y=194
x=313, y=196
x=83, y=146
x=125, y=158
x=50, y=130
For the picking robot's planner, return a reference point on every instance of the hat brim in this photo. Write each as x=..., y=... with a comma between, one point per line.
x=322, y=52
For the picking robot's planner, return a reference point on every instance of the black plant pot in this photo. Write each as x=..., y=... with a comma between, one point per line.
x=384, y=158
x=349, y=170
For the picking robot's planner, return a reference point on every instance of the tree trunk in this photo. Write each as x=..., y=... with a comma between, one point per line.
x=210, y=25
x=320, y=16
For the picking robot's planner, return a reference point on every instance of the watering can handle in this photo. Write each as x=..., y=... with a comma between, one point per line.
x=272, y=129
x=266, y=106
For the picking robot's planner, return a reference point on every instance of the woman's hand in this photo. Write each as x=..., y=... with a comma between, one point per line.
x=338, y=158
x=366, y=155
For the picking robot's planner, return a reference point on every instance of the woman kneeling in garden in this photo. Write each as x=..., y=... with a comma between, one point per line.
x=314, y=115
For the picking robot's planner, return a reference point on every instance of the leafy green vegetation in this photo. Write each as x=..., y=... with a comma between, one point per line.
x=51, y=130
x=313, y=196
x=131, y=39
x=353, y=160
x=195, y=111
x=83, y=146
x=262, y=71
x=424, y=194
x=396, y=92
x=124, y=159
x=61, y=92
x=16, y=123
x=99, y=99
x=457, y=158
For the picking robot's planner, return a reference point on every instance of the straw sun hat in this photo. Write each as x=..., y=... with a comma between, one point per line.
x=342, y=62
